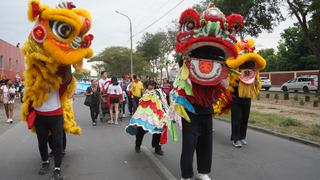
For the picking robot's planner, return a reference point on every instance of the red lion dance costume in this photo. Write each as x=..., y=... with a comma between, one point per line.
x=204, y=43
x=58, y=41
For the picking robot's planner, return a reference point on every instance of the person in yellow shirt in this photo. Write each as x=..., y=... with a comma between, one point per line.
x=137, y=91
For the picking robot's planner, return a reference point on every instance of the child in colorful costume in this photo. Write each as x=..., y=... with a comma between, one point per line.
x=244, y=85
x=204, y=42
x=151, y=116
x=57, y=41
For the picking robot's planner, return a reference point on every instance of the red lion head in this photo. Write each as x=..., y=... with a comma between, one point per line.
x=205, y=42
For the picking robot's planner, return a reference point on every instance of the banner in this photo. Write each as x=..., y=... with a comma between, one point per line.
x=82, y=86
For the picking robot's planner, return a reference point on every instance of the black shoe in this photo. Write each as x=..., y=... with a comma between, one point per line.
x=57, y=175
x=137, y=149
x=159, y=152
x=44, y=168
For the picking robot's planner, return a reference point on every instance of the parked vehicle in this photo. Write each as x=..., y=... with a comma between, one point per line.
x=303, y=83
x=266, y=83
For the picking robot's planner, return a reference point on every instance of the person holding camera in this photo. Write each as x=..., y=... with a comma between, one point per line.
x=9, y=93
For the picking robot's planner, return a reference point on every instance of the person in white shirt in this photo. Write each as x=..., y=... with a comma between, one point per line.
x=104, y=81
x=114, y=98
x=103, y=84
x=9, y=93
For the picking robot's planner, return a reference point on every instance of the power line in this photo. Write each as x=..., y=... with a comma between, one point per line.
x=141, y=20
x=154, y=22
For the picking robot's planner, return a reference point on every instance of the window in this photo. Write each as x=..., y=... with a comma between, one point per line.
x=1, y=62
x=292, y=81
x=10, y=64
x=17, y=65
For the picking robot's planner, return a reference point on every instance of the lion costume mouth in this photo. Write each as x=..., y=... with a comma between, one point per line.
x=206, y=64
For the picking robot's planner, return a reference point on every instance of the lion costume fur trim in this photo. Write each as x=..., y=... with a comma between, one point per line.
x=44, y=58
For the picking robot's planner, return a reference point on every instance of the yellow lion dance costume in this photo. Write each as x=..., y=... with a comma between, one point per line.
x=59, y=39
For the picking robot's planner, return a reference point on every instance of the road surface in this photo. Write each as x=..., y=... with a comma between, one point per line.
x=106, y=152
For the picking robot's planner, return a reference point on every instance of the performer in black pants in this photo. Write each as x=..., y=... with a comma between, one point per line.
x=64, y=143
x=54, y=125
x=155, y=141
x=197, y=136
x=240, y=111
x=244, y=86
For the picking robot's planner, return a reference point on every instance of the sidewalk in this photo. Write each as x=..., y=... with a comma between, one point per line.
x=16, y=116
x=101, y=152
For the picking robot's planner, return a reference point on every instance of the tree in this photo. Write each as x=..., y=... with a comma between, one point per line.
x=157, y=48
x=83, y=74
x=293, y=51
x=116, y=61
x=271, y=58
x=258, y=15
x=302, y=9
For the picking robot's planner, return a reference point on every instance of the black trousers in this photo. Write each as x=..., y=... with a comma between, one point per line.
x=54, y=125
x=155, y=138
x=124, y=107
x=94, y=111
x=196, y=136
x=64, y=141
x=240, y=110
x=135, y=103
x=130, y=104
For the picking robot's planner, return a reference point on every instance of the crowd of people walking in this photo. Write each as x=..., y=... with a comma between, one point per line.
x=115, y=98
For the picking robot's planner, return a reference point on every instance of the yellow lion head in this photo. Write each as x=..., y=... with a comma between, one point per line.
x=61, y=32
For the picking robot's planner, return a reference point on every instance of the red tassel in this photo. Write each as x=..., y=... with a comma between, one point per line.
x=164, y=135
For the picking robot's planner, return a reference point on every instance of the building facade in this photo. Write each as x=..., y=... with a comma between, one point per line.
x=11, y=61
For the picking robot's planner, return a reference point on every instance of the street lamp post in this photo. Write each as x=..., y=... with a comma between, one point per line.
x=131, y=61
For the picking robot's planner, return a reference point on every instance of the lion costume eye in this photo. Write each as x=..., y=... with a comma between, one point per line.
x=188, y=26
x=60, y=29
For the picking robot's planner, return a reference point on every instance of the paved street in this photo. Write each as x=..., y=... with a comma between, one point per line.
x=106, y=152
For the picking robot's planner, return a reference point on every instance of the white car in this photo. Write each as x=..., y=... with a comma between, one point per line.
x=266, y=83
x=303, y=83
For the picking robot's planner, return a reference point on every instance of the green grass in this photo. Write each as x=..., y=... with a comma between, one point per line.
x=282, y=124
x=290, y=122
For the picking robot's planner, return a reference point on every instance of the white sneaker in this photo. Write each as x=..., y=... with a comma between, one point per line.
x=237, y=144
x=243, y=142
x=123, y=115
x=110, y=122
x=203, y=177
x=9, y=121
x=185, y=179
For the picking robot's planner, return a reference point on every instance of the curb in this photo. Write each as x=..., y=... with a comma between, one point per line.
x=165, y=171
x=285, y=136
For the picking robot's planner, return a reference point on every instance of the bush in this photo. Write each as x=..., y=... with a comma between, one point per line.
x=276, y=96
x=267, y=96
x=290, y=122
x=301, y=102
x=307, y=98
x=315, y=130
x=286, y=96
x=295, y=97
x=315, y=103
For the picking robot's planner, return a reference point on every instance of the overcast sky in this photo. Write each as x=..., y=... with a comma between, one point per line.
x=110, y=28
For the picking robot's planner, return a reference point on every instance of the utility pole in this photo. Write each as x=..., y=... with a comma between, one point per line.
x=131, y=60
